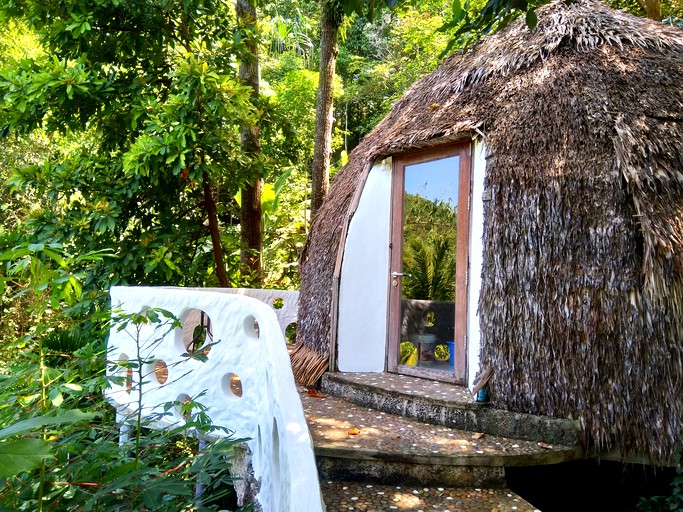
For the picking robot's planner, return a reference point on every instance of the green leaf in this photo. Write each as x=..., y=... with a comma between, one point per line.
x=531, y=18
x=267, y=198
x=71, y=416
x=22, y=455
x=56, y=257
x=457, y=10
x=159, y=488
x=56, y=397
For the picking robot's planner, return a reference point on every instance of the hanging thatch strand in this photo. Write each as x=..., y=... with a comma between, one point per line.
x=581, y=306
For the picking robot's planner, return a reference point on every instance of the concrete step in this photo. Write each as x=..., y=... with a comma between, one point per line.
x=447, y=405
x=361, y=496
x=359, y=443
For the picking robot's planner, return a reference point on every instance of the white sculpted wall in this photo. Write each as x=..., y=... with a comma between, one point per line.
x=246, y=380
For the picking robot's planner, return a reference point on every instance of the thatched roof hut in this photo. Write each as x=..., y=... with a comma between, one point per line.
x=581, y=298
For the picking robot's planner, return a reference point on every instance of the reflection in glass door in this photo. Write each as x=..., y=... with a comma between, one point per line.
x=429, y=251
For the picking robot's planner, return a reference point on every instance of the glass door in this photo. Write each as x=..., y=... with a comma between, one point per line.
x=429, y=260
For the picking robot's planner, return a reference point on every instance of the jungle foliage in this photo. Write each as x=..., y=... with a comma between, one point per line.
x=115, y=117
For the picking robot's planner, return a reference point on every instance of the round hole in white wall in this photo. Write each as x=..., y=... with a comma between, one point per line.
x=278, y=303
x=119, y=366
x=290, y=333
x=251, y=327
x=196, y=332
x=231, y=384
x=183, y=405
x=123, y=368
x=159, y=369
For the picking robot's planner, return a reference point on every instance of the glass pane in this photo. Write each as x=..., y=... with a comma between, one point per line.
x=430, y=219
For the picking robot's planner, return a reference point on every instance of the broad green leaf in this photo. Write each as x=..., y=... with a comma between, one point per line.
x=267, y=198
x=22, y=455
x=457, y=10
x=282, y=179
x=531, y=19
x=56, y=397
x=56, y=257
x=71, y=416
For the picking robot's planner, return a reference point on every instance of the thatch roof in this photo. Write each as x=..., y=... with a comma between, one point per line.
x=582, y=298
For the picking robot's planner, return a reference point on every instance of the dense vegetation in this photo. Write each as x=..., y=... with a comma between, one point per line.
x=121, y=134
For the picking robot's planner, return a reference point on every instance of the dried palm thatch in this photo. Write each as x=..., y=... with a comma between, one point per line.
x=581, y=306
x=307, y=365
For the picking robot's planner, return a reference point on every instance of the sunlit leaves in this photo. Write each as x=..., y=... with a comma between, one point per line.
x=366, y=7
x=48, y=269
x=196, y=128
x=476, y=18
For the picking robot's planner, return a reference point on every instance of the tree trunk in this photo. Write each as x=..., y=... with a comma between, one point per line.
x=330, y=19
x=250, y=231
x=210, y=205
x=653, y=9
x=250, y=211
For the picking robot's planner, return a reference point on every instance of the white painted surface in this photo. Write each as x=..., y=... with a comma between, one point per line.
x=269, y=413
x=363, y=300
x=476, y=261
x=285, y=303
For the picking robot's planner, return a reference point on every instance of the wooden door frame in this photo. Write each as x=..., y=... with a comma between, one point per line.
x=464, y=151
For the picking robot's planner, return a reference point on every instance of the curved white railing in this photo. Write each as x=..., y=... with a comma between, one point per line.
x=245, y=380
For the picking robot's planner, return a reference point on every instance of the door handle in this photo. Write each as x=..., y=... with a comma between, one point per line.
x=398, y=274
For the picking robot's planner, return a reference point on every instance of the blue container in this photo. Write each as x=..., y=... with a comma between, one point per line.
x=451, y=352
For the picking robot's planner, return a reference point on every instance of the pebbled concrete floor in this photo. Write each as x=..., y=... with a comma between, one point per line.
x=350, y=496
x=330, y=422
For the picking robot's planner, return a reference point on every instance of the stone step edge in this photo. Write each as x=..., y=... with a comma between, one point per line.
x=407, y=473
x=473, y=417
x=542, y=457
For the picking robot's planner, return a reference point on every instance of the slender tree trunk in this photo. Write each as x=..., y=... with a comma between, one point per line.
x=210, y=205
x=209, y=199
x=330, y=19
x=653, y=9
x=250, y=211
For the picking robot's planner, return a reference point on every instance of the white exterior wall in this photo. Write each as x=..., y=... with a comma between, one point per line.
x=267, y=411
x=476, y=261
x=363, y=286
